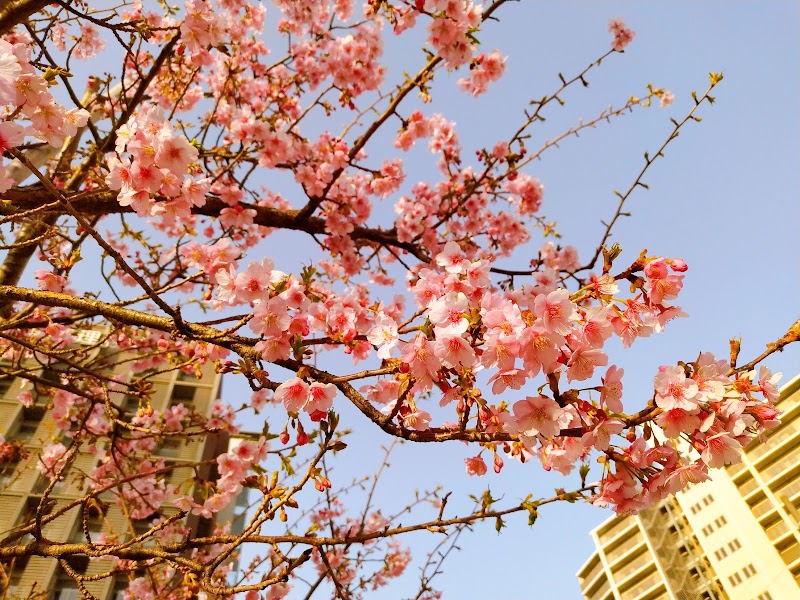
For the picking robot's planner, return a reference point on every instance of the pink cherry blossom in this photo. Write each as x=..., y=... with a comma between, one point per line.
x=174, y=154
x=454, y=351
x=583, y=361
x=475, y=466
x=320, y=397
x=674, y=389
x=9, y=71
x=721, y=449
x=271, y=317
x=253, y=283
x=486, y=68
x=556, y=311
x=383, y=334
x=767, y=383
x=11, y=135
x=294, y=394
x=417, y=419
x=611, y=394
x=676, y=421
x=422, y=359
x=448, y=313
x=600, y=435
x=502, y=380
x=451, y=258
x=49, y=281
x=52, y=460
x=536, y=415
x=622, y=35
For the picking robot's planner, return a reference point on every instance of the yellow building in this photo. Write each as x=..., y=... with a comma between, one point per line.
x=736, y=537
x=22, y=485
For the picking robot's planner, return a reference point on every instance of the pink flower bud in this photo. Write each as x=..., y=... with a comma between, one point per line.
x=678, y=265
x=498, y=463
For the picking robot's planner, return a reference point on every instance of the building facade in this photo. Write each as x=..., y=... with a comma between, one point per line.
x=736, y=537
x=22, y=485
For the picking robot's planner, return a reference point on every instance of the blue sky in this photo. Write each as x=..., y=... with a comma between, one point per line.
x=724, y=198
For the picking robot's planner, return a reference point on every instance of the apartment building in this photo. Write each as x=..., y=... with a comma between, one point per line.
x=736, y=537
x=22, y=485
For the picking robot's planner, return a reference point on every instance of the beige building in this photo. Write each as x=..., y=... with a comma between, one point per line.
x=22, y=485
x=735, y=538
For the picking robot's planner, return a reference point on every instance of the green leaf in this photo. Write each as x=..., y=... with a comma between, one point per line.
x=499, y=524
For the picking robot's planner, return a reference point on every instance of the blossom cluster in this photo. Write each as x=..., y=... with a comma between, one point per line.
x=706, y=418
x=623, y=35
x=232, y=467
x=395, y=557
x=469, y=326
x=24, y=93
x=152, y=160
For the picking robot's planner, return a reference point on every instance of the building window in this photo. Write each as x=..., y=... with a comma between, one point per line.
x=720, y=522
x=13, y=580
x=66, y=588
x=5, y=385
x=764, y=596
x=43, y=482
x=735, y=579
x=130, y=404
x=170, y=447
x=31, y=418
x=707, y=530
x=8, y=471
x=708, y=500
x=183, y=394
x=120, y=585
x=720, y=554
x=734, y=545
x=87, y=337
x=749, y=571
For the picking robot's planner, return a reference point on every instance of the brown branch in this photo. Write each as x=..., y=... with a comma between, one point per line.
x=791, y=336
x=104, y=202
x=14, y=12
x=648, y=161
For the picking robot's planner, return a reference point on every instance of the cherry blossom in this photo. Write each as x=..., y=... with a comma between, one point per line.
x=622, y=35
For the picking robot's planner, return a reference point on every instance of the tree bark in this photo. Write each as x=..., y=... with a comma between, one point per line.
x=13, y=12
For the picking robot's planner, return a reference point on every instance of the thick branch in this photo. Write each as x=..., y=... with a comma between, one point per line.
x=13, y=12
x=244, y=347
x=104, y=202
x=20, y=253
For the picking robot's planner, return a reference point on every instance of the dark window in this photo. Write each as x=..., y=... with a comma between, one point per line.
x=8, y=471
x=65, y=587
x=183, y=394
x=169, y=447
x=31, y=419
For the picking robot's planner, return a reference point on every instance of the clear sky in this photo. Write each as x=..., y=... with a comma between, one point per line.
x=725, y=198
